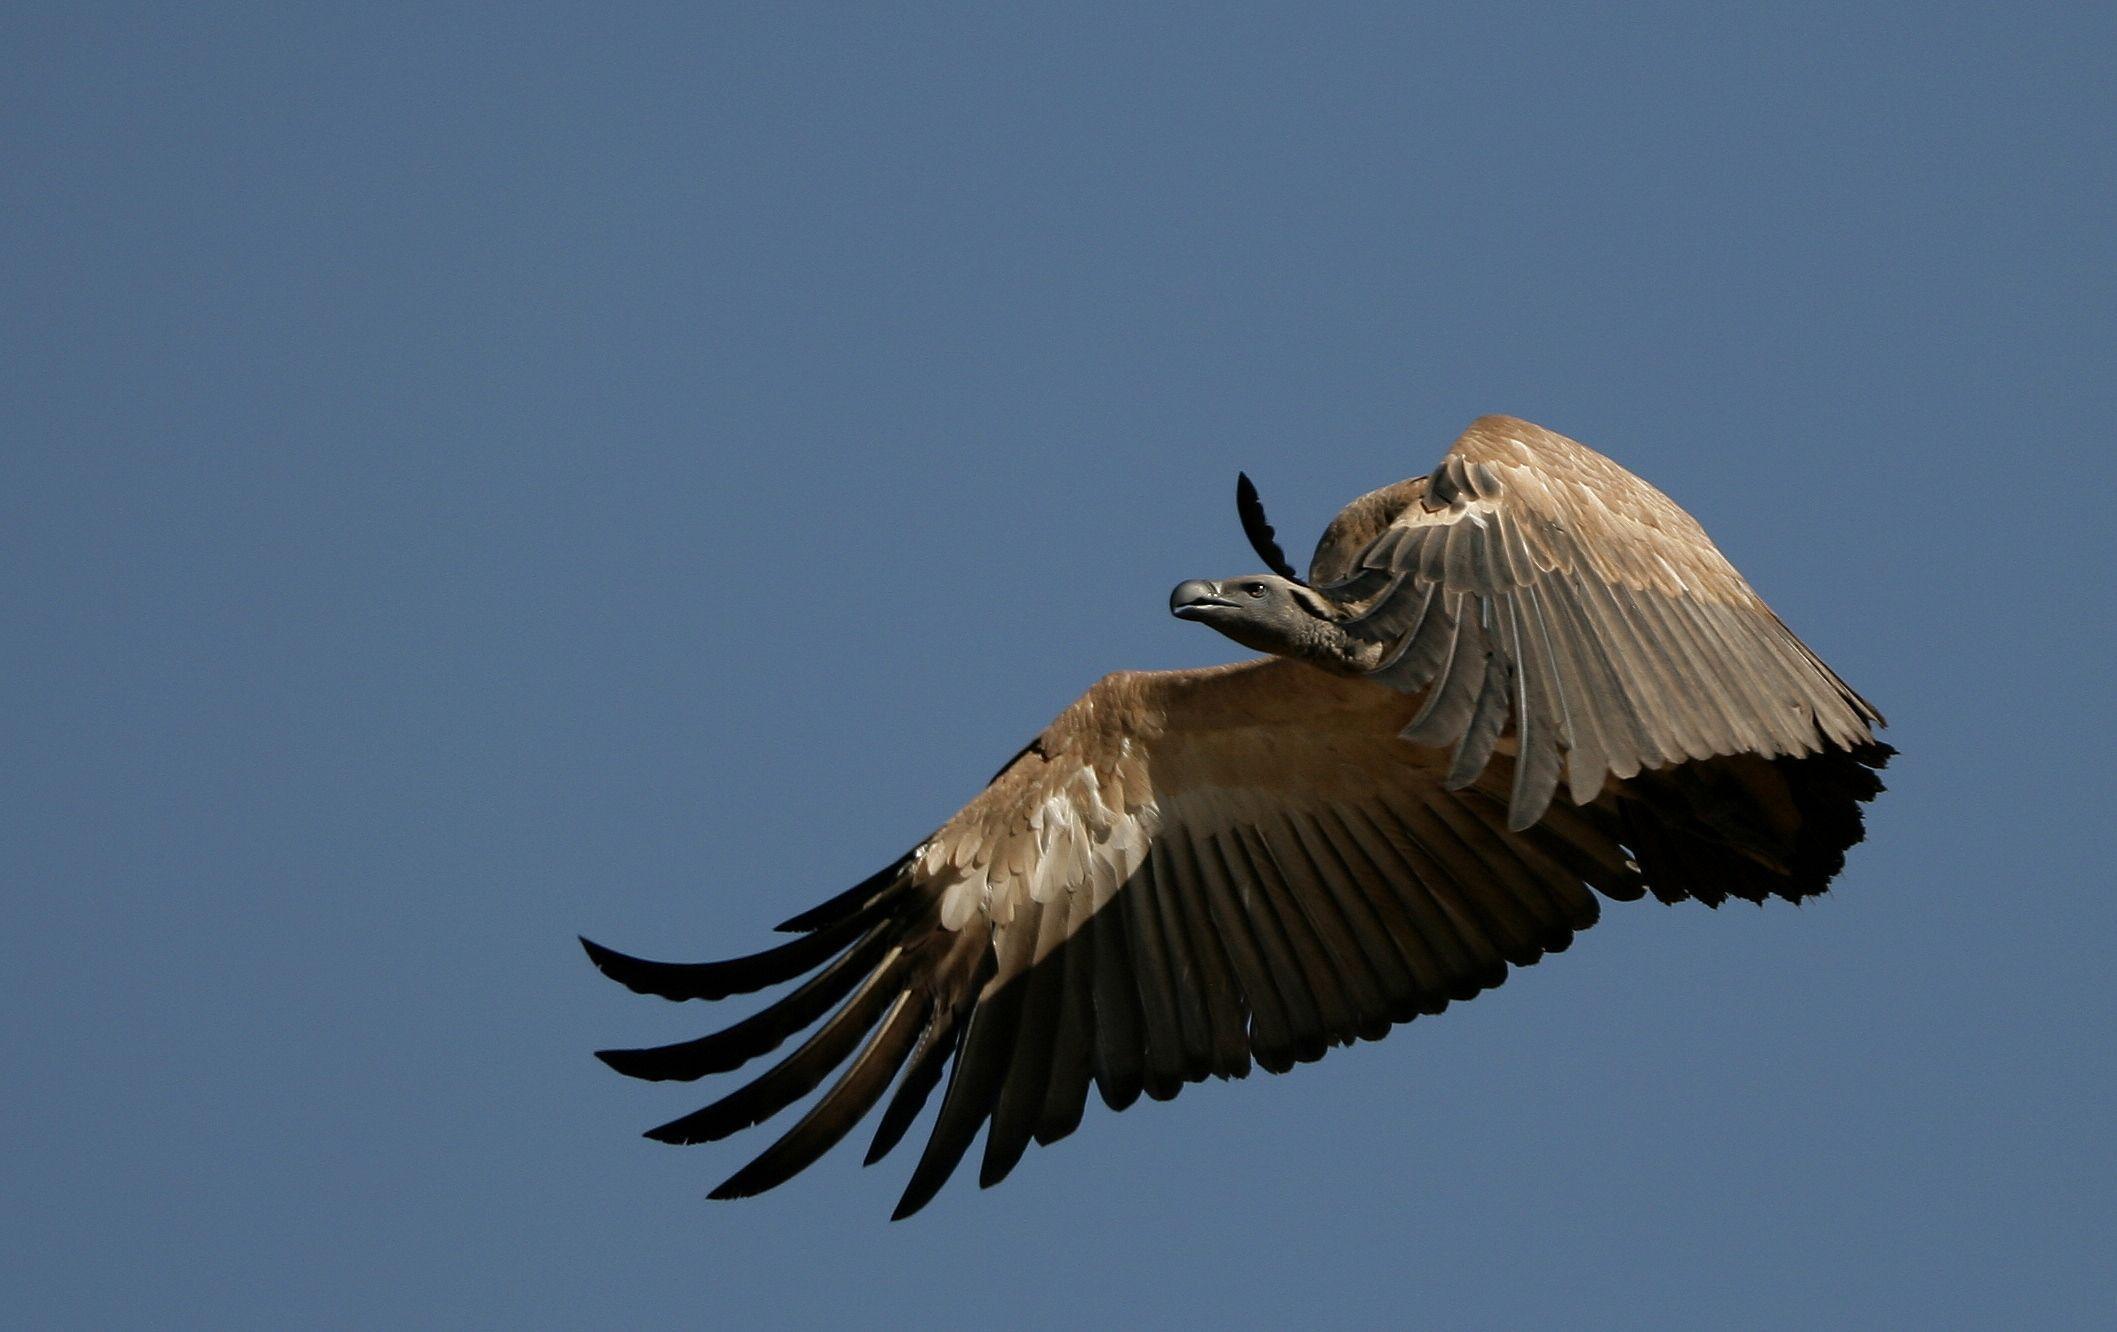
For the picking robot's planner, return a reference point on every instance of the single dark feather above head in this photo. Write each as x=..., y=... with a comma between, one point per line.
x=1262, y=539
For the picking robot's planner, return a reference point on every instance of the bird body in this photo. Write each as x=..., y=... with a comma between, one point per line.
x=1506, y=688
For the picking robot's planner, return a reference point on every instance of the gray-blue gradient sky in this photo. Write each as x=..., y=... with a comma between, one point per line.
x=473, y=477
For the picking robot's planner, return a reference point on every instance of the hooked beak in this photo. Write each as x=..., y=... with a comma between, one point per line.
x=1193, y=598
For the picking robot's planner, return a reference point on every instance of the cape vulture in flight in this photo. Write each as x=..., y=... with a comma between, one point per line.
x=1505, y=687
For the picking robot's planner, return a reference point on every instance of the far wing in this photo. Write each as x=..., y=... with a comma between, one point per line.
x=1533, y=586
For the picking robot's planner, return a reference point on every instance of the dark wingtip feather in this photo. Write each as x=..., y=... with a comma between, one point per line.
x=927, y=1063
x=635, y=974
x=843, y=1106
x=850, y=902
x=673, y=1134
x=762, y=1031
x=907, y=1207
x=973, y=1086
x=629, y=1063
x=1262, y=539
x=736, y=975
x=797, y=1074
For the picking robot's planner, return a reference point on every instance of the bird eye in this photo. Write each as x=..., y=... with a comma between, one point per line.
x=1253, y=589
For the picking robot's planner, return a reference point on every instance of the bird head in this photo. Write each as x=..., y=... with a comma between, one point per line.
x=1268, y=612
x=1271, y=612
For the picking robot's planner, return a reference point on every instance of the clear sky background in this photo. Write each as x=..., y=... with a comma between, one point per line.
x=473, y=477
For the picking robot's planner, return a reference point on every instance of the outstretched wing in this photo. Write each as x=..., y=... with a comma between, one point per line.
x=1531, y=585
x=1186, y=872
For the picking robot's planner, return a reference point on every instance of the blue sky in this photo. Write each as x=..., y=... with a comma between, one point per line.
x=474, y=477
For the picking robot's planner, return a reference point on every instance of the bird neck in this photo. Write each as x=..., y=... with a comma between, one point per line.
x=1324, y=644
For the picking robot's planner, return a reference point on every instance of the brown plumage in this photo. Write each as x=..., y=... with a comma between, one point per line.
x=1506, y=687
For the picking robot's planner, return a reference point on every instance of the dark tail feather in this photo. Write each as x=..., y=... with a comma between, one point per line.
x=831, y=1118
x=761, y=1031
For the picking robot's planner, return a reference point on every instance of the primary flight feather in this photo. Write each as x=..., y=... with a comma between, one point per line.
x=1505, y=687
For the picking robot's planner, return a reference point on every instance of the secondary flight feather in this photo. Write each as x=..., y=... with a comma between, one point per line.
x=1508, y=688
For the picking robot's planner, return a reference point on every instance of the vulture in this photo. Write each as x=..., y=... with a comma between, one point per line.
x=1506, y=689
